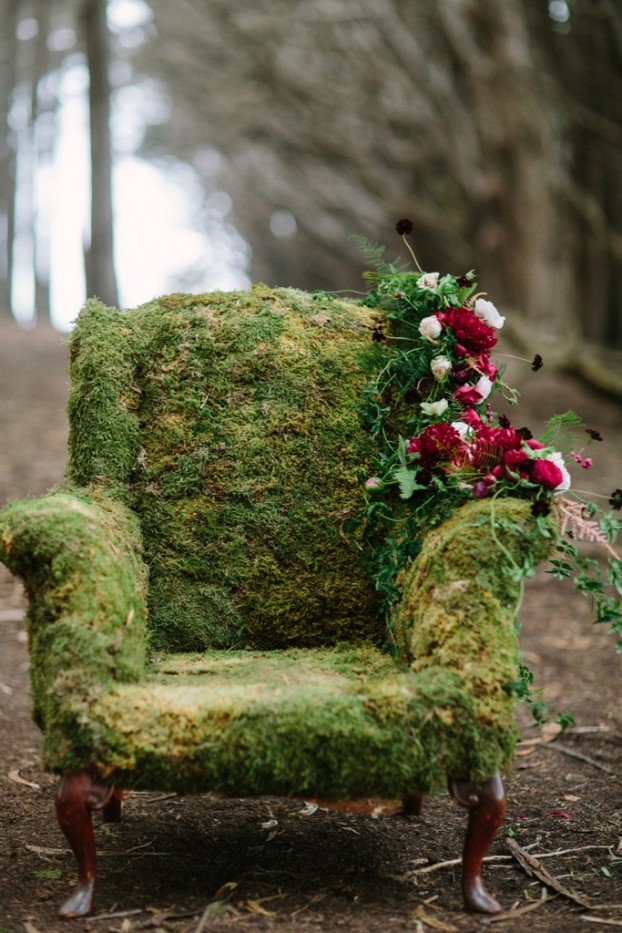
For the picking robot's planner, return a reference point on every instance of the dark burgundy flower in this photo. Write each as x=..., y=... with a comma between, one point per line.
x=404, y=226
x=464, y=281
x=516, y=462
x=540, y=507
x=595, y=435
x=504, y=421
x=547, y=474
x=412, y=395
x=474, y=336
x=525, y=433
x=463, y=374
x=377, y=334
x=436, y=445
x=615, y=500
x=537, y=363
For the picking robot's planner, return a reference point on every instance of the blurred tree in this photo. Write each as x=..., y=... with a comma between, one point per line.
x=37, y=39
x=99, y=255
x=339, y=116
x=8, y=64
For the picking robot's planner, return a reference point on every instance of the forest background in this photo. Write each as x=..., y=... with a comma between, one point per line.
x=290, y=125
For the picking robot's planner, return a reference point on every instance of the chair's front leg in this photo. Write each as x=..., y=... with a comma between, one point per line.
x=78, y=795
x=486, y=804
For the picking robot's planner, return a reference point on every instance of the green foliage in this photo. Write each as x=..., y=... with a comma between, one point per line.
x=560, y=429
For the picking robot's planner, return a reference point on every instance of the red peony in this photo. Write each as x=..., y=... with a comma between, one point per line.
x=547, y=474
x=473, y=335
x=506, y=438
x=468, y=395
x=437, y=444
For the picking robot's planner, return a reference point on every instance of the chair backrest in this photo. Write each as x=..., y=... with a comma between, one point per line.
x=231, y=424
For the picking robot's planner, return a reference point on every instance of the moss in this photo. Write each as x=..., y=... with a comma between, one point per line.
x=104, y=439
x=79, y=557
x=461, y=597
x=248, y=408
x=334, y=723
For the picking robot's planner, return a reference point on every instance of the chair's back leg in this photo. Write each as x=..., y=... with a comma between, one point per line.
x=486, y=804
x=413, y=805
x=78, y=795
x=111, y=811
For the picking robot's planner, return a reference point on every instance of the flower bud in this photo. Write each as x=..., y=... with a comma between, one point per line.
x=440, y=367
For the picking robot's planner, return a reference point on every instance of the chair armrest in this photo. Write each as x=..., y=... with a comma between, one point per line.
x=79, y=555
x=460, y=598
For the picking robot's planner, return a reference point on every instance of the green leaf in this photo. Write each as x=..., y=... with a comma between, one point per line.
x=407, y=480
x=560, y=427
x=51, y=874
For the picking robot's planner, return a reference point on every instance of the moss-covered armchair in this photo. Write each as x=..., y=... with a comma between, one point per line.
x=200, y=619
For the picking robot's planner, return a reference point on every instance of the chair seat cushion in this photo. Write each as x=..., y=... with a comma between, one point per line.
x=339, y=723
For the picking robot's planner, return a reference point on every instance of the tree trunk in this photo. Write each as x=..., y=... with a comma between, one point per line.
x=99, y=255
x=8, y=61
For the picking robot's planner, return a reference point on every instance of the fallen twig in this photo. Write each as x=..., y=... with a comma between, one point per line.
x=531, y=866
x=541, y=855
x=117, y=914
x=609, y=923
x=519, y=911
x=564, y=750
x=455, y=861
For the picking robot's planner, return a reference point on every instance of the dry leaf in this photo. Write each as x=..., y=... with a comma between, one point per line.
x=14, y=776
x=546, y=733
x=436, y=924
x=308, y=810
x=225, y=890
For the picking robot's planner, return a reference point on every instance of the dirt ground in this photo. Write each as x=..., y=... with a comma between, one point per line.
x=198, y=864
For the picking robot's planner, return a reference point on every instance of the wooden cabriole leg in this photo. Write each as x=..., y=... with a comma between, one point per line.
x=413, y=805
x=486, y=804
x=78, y=795
x=111, y=811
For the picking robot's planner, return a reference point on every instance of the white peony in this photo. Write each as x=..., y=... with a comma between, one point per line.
x=428, y=280
x=430, y=327
x=462, y=428
x=484, y=386
x=557, y=458
x=488, y=313
x=440, y=367
x=435, y=408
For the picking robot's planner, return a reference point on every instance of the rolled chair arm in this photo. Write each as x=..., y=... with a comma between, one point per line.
x=460, y=600
x=79, y=555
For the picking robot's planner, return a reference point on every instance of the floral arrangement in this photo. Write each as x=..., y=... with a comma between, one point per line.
x=441, y=442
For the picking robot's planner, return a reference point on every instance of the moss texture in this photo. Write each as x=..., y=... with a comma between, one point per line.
x=337, y=723
x=247, y=471
x=79, y=557
x=461, y=596
x=216, y=444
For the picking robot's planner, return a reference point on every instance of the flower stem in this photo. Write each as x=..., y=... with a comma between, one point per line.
x=410, y=250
